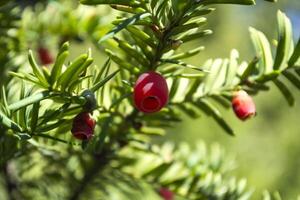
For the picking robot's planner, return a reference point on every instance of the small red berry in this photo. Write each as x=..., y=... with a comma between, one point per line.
x=45, y=56
x=151, y=92
x=166, y=194
x=243, y=105
x=83, y=126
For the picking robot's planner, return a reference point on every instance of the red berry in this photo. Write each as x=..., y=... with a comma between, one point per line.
x=150, y=92
x=83, y=126
x=166, y=194
x=243, y=105
x=45, y=56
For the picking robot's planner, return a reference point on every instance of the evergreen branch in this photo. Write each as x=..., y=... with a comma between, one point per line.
x=31, y=100
x=173, y=169
x=165, y=26
x=226, y=75
x=8, y=123
x=99, y=163
x=123, y=25
x=102, y=82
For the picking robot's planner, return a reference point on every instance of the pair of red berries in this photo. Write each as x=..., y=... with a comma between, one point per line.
x=151, y=94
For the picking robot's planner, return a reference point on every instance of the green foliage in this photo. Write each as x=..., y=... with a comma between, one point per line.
x=199, y=173
x=155, y=37
x=9, y=41
x=63, y=87
x=37, y=111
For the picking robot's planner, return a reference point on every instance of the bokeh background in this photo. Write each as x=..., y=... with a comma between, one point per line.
x=266, y=148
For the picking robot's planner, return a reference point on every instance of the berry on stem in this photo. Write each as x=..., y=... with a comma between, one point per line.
x=243, y=105
x=45, y=56
x=83, y=126
x=166, y=194
x=151, y=92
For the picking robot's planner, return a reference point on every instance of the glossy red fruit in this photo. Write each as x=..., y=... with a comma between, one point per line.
x=166, y=194
x=243, y=105
x=45, y=56
x=151, y=92
x=83, y=126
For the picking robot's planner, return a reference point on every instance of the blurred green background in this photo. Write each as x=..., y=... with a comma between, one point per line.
x=266, y=148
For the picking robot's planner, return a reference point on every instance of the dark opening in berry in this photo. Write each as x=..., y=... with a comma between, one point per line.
x=151, y=104
x=81, y=135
